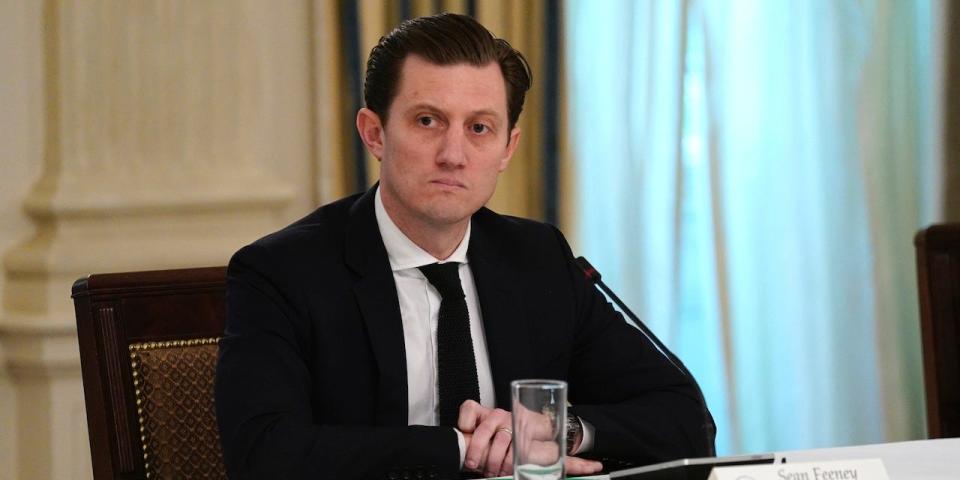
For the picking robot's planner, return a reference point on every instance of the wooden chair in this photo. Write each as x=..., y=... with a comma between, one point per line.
x=938, y=269
x=148, y=352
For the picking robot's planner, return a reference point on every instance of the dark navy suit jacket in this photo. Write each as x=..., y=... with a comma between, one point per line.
x=312, y=381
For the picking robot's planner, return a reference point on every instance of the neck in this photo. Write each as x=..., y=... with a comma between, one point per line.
x=440, y=240
x=439, y=243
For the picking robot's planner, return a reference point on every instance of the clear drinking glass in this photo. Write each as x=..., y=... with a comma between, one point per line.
x=539, y=429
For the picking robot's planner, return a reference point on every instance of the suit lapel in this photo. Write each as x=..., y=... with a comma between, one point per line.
x=376, y=294
x=504, y=324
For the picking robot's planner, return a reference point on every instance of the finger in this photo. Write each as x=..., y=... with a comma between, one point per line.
x=543, y=453
x=497, y=452
x=469, y=417
x=489, y=422
x=507, y=468
x=476, y=452
x=541, y=427
x=483, y=435
x=468, y=444
x=582, y=466
x=535, y=425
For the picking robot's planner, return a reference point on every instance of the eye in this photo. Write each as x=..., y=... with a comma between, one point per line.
x=479, y=128
x=425, y=121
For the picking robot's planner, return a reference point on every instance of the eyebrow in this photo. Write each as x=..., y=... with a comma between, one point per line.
x=427, y=106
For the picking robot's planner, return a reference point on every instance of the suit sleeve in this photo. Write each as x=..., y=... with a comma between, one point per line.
x=264, y=391
x=642, y=407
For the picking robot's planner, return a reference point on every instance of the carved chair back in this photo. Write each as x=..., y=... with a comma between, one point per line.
x=148, y=352
x=938, y=270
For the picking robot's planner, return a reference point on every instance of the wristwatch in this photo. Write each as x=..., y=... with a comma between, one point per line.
x=574, y=432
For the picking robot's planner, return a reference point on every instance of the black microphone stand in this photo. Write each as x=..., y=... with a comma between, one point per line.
x=709, y=427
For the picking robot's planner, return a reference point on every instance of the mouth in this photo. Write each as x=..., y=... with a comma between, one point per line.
x=448, y=183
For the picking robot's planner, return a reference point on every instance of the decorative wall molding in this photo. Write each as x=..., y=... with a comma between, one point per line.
x=173, y=134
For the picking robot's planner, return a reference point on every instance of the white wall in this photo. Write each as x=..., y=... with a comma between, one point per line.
x=21, y=140
x=263, y=175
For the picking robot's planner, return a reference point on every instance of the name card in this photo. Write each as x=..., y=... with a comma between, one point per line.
x=868, y=469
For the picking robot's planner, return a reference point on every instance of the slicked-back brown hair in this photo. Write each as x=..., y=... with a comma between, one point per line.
x=444, y=39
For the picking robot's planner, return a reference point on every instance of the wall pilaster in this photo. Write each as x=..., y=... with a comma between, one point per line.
x=160, y=125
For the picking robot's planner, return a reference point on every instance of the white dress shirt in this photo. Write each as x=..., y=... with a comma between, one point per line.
x=419, y=311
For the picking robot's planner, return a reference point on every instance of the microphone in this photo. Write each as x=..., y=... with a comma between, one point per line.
x=593, y=276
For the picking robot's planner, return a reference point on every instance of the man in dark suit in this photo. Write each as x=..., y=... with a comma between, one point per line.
x=347, y=356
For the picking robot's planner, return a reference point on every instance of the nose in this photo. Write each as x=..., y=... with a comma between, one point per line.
x=452, y=152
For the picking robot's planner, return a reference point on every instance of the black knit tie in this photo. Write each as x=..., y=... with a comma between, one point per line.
x=456, y=363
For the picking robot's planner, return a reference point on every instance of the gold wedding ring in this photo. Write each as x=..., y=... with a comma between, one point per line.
x=505, y=429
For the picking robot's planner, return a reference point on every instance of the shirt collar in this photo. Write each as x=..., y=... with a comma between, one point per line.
x=401, y=251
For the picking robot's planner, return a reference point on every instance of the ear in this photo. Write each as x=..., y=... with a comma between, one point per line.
x=370, y=129
x=511, y=147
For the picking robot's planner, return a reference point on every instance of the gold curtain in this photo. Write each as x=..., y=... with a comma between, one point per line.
x=521, y=187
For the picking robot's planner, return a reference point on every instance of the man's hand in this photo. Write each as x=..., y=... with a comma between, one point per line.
x=487, y=434
x=582, y=466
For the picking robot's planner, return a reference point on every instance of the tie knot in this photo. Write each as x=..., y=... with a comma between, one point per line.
x=444, y=277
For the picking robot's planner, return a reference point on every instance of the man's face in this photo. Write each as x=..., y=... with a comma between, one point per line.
x=446, y=142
